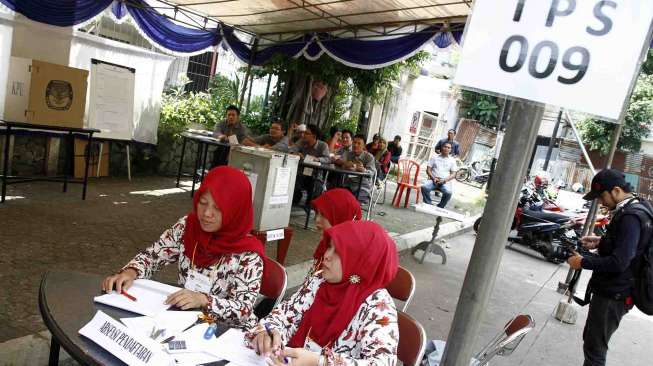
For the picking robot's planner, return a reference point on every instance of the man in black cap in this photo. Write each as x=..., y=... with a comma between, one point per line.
x=611, y=285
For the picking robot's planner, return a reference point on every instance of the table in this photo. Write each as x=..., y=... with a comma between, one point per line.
x=332, y=168
x=204, y=140
x=282, y=244
x=432, y=245
x=66, y=304
x=68, y=133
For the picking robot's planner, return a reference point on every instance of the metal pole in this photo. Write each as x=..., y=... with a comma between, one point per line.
x=248, y=72
x=580, y=142
x=552, y=143
x=524, y=122
x=591, y=215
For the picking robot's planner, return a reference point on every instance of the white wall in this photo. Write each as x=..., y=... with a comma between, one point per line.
x=6, y=36
x=40, y=41
x=415, y=94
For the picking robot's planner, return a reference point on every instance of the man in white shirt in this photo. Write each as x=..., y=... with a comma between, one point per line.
x=440, y=170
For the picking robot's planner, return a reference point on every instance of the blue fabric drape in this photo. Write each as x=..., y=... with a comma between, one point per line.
x=119, y=10
x=63, y=13
x=168, y=34
x=376, y=53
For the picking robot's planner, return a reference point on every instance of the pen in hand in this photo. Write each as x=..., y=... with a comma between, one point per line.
x=269, y=332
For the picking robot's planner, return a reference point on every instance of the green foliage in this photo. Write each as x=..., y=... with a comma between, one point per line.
x=369, y=83
x=637, y=124
x=481, y=107
x=341, y=105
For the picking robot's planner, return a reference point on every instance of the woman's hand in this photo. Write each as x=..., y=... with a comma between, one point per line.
x=186, y=299
x=122, y=280
x=296, y=357
x=265, y=345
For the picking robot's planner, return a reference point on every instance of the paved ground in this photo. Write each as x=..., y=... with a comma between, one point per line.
x=44, y=229
x=525, y=284
x=53, y=230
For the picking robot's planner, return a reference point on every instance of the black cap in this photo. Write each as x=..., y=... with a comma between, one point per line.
x=604, y=181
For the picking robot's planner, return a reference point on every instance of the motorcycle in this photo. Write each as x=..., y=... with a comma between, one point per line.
x=478, y=172
x=543, y=230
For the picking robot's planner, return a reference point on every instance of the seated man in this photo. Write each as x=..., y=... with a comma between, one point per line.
x=455, y=147
x=309, y=147
x=274, y=140
x=231, y=126
x=361, y=161
x=440, y=170
x=395, y=149
x=345, y=142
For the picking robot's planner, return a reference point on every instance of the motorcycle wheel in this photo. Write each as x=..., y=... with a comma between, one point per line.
x=462, y=175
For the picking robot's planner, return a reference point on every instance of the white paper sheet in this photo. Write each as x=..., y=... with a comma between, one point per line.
x=123, y=343
x=281, y=182
x=150, y=297
x=231, y=346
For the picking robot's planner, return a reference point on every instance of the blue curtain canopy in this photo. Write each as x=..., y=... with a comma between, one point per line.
x=171, y=36
x=63, y=13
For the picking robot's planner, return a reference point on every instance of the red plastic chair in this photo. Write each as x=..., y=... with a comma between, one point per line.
x=273, y=288
x=407, y=175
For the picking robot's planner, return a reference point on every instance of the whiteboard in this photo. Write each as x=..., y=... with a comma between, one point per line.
x=111, y=103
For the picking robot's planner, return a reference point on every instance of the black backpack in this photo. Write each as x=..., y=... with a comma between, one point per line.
x=643, y=265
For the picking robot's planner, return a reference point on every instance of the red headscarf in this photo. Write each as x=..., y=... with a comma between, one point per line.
x=232, y=193
x=369, y=262
x=337, y=205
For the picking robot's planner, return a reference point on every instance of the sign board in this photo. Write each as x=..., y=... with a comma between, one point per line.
x=127, y=345
x=111, y=102
x=575, y=54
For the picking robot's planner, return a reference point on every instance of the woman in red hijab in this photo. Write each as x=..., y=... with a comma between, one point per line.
x=342, y=315
x=334, y=207
x=220, y=264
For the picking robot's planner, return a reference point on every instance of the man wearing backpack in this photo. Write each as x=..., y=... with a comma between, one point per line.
x=611, y=288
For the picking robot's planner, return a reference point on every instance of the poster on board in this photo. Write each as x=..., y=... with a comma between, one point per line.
x=111, y=102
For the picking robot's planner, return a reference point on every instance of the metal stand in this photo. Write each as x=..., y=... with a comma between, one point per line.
x=432, y=246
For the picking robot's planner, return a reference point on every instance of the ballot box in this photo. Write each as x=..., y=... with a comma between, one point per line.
x=272, y=175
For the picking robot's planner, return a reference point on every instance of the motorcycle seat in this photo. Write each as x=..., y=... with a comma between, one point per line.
x=543, y=216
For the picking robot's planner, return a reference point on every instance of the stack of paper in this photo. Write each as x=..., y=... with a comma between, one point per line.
x=150, y=297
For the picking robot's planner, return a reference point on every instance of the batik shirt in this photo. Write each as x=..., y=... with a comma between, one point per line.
x=235, y=278
x=371, y=338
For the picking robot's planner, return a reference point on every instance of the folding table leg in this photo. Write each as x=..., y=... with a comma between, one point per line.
x=54, y=352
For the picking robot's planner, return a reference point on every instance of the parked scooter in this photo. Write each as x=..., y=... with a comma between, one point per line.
x=543, y=230
x=478, y=172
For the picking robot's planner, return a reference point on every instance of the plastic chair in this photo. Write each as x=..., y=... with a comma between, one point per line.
x=412, y=340
x=503, y=344
x=380, y=190
x=506, y=341
x=273, y=288
x=402, y=287
x=405, y=175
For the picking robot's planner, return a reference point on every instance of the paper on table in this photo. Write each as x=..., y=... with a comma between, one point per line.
x=194, y=359
x=231, y=346
x=172, y=321
x=150, y=297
